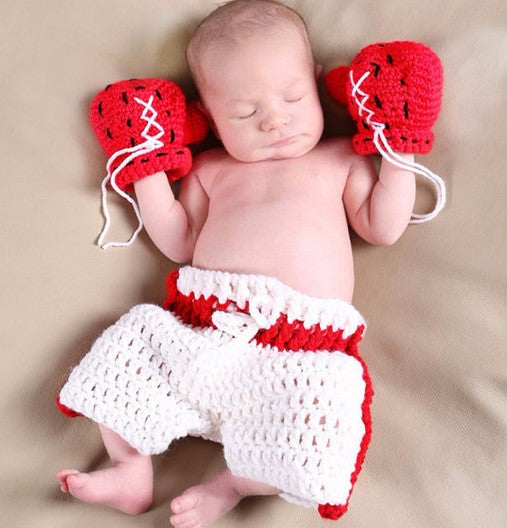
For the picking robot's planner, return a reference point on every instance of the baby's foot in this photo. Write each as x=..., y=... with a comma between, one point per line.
x=126, y=487
x=200, y=506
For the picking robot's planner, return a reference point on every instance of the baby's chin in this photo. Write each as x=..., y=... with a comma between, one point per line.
x=290, y=151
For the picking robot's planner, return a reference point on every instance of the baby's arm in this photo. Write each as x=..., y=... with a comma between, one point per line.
x=173, y=224
x=379, y=206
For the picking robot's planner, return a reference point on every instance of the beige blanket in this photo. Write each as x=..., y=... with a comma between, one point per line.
x=435, y=301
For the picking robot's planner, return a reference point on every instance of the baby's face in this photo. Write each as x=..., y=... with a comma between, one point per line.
x=262, y=96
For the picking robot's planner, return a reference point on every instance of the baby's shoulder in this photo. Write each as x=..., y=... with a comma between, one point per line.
x=337, y=150
x=209, y=161
x=340, y=146
x=213, y=157
x=207, y=164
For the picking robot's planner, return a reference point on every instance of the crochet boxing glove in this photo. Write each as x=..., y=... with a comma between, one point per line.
x=393, y=91
x=149, y=118
x=144, y=126
x=394, y=84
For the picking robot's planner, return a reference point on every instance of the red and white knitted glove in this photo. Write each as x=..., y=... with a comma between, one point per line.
x=149, y=118
x=144, y=125
x=394, y=84
x=393, y=91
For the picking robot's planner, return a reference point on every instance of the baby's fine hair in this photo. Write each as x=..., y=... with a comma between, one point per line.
x=237, y=20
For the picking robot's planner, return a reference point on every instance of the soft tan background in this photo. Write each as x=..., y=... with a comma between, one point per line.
x=435, y=301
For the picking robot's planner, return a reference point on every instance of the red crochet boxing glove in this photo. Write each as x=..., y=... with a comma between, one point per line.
x=393, y=86
x=148, y=122
x=144, y=126
x=393, y=91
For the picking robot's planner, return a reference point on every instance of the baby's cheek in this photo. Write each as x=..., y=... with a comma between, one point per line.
x=317, y=128
x=240, y=146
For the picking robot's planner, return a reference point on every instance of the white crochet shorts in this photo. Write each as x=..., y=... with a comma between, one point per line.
x=244, y=360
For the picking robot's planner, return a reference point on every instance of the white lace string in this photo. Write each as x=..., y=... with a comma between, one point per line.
x=151, y=143
x=242, y=327
x=385, y=149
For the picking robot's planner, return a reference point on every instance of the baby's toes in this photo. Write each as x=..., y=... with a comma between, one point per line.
x=184, y=502
x=76, y=482
x=62, y=477
x=187, y=519
x=189, y=524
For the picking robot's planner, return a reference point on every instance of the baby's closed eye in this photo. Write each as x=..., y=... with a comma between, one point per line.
x=247, y=116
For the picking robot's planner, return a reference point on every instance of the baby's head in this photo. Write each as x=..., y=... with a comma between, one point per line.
x=254, y=69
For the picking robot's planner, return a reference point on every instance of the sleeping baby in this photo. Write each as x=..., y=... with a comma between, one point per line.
x=256, y=346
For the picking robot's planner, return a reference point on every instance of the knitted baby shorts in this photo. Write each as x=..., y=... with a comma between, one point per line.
x=244, y=360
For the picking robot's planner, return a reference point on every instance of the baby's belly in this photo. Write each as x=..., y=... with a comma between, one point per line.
x=308, y=253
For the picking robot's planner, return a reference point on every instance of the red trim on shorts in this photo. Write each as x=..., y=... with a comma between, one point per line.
x=329, y=511
x=66, y=410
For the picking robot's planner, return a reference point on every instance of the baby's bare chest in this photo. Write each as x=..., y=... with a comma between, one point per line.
x=295, y=188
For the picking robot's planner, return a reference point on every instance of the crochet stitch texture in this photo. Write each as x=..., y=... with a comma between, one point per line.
x=115, y=118
x=402, y=84
x=242, y=360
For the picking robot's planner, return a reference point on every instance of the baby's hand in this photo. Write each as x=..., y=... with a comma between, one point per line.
x=144, y=126
x=393, y=91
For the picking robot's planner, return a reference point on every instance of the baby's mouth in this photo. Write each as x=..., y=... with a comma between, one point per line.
x=284, y=141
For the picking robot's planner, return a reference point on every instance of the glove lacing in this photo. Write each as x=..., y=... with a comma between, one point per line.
x=384, y=148
x=151, y=143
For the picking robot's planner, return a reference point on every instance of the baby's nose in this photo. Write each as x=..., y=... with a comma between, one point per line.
x=274, y=120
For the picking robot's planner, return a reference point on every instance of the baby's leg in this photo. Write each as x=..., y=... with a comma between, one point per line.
x=126, y=486
x=200, y=506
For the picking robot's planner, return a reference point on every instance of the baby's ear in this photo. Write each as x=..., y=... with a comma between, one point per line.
x=211, y=123
x=318, y=70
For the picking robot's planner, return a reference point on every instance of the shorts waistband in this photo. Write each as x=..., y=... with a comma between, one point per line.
x=195, y=294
